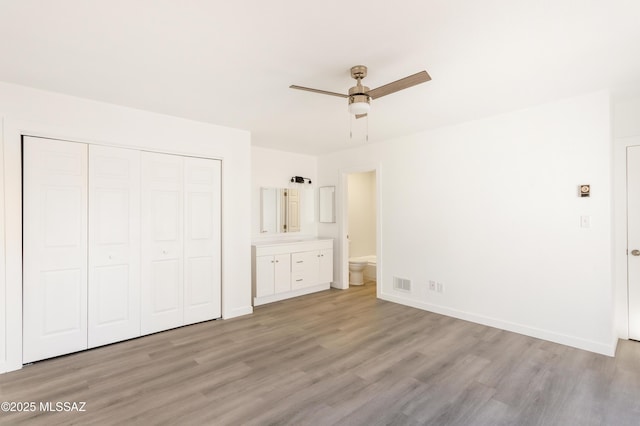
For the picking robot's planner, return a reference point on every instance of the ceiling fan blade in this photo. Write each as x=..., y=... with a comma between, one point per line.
x=360, y=115
x=323, y=92
x=398, y=85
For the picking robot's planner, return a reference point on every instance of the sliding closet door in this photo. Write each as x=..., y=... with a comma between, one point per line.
x=54, y=248
x=202, y=240
x=162, y=290
x=114, y=244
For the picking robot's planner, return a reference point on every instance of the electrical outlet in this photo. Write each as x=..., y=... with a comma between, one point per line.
x=432, y=285
x=440, y=287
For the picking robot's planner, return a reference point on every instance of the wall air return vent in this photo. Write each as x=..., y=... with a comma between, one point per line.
x=401, y=284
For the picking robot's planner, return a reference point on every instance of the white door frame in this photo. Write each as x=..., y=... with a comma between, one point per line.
x=620, y=229
x=343, y=218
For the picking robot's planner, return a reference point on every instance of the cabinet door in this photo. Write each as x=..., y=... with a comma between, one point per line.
x=54, y=248
x=326, y=266
x=162, y=290
x=265, y=266
x=282, y=273
x=202, y=245
x=114, y=245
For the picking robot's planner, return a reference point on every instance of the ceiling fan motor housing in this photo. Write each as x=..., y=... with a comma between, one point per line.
x=359, y=90
x=359, y=98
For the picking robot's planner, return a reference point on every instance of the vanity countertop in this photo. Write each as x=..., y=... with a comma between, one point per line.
x=287, y=241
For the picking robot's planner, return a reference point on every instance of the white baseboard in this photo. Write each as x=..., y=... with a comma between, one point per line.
x=563, y=339
x=238, y=312
x=257, y=301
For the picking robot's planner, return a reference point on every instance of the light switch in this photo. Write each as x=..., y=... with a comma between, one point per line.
x=585, y=221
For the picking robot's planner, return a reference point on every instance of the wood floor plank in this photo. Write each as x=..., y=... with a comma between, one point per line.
x=338, y=357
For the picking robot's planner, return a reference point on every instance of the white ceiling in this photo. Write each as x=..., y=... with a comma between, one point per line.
x=231, y=62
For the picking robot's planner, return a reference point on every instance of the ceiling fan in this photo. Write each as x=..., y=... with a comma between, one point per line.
x=360, y=96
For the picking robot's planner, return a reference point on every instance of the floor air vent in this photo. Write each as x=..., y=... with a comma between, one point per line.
x=402, y=284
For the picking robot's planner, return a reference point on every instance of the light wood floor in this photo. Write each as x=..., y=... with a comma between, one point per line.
x=336, y=357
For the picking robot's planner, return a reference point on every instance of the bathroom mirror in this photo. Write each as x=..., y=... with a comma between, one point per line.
x=327, y=204
x=279, y=210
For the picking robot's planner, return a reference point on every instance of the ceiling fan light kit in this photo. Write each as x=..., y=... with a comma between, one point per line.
x=359, y=104
x=360, y=96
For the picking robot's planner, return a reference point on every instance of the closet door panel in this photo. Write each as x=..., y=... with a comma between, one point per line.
x=166, y=294
x=202, y=240
x=54, y=248
x=162, y=242
x=110, y=302
x=114, y=244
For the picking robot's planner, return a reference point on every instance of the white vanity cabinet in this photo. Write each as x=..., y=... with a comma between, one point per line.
x=273, y=272
x=284, y=269
x=326, y=265
x=309, y=268
x=304, y=269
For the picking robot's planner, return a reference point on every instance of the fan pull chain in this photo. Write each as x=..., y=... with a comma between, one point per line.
x=367, y=135
x=351, y=127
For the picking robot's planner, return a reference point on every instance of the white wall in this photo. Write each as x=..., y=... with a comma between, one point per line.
x=3, y=293
x=273, y=169
x=362, y=213
x=39, y=113
x=490, y=209
x=626, y=129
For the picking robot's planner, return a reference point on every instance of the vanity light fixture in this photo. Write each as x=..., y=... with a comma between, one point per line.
x=300, y=179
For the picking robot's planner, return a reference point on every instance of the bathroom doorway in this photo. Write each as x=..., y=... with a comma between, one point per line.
x=361, y=228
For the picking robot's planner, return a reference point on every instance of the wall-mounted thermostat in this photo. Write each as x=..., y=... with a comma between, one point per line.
x=584, y=190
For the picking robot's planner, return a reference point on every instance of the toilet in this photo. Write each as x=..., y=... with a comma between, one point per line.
x=357, y=266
